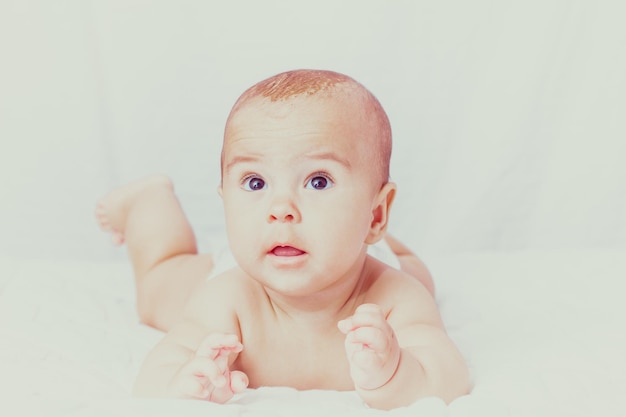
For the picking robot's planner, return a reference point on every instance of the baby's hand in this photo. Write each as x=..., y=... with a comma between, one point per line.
x=206, y=376
x=371, y=346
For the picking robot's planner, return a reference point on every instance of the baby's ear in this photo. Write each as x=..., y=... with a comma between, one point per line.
x=219, y=190
x=380, y=213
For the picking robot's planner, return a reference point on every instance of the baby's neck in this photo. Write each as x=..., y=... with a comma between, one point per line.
x=312, y=317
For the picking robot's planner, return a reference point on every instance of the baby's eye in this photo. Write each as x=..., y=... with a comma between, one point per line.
x=319, y=182
x=253, y=184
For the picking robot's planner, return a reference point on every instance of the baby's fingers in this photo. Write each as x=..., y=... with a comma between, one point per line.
x=368, y=338
x=204, y=369
x=191, y=380
x=367, y=359
x=219, y=344
x=238, y=381
x=191, y=388
x=366, y=315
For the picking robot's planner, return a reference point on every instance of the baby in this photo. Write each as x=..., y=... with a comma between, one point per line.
x=305, y=187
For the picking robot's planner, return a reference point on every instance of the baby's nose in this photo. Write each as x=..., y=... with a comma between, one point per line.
x=283, y=210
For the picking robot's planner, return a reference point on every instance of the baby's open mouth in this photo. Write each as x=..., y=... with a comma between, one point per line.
x=286, y=251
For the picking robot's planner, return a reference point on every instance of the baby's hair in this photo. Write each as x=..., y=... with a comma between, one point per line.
x=294, y=83
x=306, y=82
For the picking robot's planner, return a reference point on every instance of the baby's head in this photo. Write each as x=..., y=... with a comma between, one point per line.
x=305, y=167
x=309, y=87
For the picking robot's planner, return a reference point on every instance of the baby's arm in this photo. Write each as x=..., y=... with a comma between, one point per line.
x=192, y=361
x=407, y=355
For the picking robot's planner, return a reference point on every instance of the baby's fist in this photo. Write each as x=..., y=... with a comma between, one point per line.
x=371, y=347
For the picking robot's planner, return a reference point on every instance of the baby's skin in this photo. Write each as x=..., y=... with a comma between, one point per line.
x=305, y=190
x=385, y=340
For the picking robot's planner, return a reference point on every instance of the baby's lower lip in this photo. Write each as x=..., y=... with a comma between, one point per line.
x=286, y=251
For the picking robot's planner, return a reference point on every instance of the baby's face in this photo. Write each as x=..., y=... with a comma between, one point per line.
x=298, y=188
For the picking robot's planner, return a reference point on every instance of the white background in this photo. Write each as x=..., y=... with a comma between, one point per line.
x=508, y=117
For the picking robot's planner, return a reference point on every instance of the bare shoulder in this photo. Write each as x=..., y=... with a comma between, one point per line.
x=401, y=296
x=220, y=295
x=414, y=317
x=212, y=308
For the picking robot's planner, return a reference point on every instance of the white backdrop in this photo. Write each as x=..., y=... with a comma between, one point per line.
x=508, y=117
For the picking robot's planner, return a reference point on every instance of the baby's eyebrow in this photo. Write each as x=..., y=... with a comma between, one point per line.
x=315, y=155
x=328, y=156
x=239, y=159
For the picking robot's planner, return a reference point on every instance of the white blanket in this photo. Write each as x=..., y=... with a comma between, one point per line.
x=536, y=345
